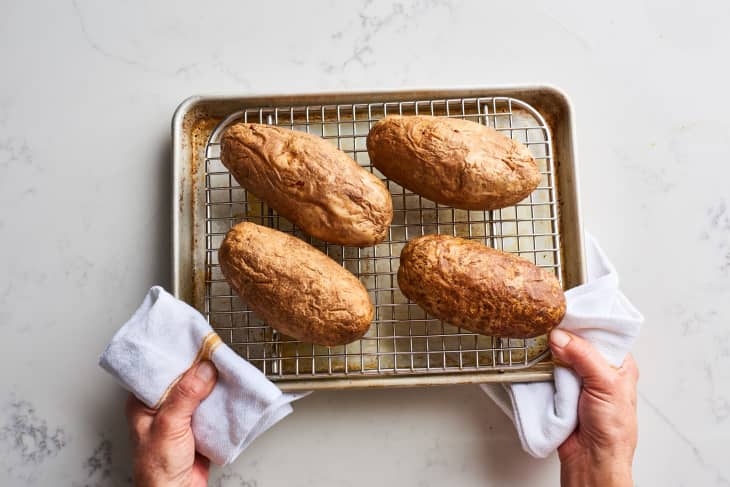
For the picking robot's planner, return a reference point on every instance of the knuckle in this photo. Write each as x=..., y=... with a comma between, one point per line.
x=169, y=427
x=166, y=422
x=581, y=352
x=611, y=381
x=630, y=370
x=189, y=388
x=632, y=366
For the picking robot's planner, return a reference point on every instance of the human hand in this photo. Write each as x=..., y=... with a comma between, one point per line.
x=164, y=447
x=601, y=450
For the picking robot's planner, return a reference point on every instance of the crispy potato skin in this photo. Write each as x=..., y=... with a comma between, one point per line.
x=452, y=161
x=478, y=288
x=294, y=287
x=310, y=182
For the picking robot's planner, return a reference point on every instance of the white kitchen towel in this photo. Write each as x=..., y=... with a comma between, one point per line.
x=162, y=340
x=546, y=413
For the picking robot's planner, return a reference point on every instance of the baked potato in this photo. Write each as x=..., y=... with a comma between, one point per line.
x=479, y=288
x=310, y=182
x=294, y=287
x=451, y=161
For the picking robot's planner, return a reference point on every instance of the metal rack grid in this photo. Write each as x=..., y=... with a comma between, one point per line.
x=402, y=339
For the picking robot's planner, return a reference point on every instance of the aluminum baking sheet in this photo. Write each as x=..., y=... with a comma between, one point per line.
x=404, y=346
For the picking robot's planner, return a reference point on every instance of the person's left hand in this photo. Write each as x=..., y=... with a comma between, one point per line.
x=164, y=447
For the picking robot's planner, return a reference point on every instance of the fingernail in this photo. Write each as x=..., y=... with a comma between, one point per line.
x=205, y=371
x=559, y=338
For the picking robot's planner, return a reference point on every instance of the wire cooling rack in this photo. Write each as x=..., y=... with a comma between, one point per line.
x=403, y=339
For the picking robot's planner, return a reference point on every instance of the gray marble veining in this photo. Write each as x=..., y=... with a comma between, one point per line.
x=27, y=438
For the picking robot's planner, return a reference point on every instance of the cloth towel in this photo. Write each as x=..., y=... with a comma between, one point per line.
x=162, y=340
x=546, y=413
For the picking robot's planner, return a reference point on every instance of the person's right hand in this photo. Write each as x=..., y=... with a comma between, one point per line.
x=164, y=447
x=601, y=450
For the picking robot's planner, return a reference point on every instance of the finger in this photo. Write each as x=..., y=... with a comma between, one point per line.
x=580, y=356
x=630, y=368
x=135, y=409
x=201, y=470
x=140, y=417
x=177, y=410
x=202, y=460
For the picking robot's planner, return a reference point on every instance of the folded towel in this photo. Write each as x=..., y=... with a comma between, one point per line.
x=162, y=340
x=546, y=413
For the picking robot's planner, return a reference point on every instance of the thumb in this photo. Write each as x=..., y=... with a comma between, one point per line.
x=194, y=386
x=581, y=356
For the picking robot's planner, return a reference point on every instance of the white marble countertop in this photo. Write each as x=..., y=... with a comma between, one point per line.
x=86, y=95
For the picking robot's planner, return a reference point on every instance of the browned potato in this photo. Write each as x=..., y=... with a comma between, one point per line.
x=451, y=161
x=294, y=287
x=310, y=182
x=478, y=288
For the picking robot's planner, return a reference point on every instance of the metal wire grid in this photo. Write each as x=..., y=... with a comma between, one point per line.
x=402, y=338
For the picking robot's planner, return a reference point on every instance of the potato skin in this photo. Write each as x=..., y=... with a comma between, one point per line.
x=294, y=287
x=310, y=182
x=479, y=288
x=452, y=161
